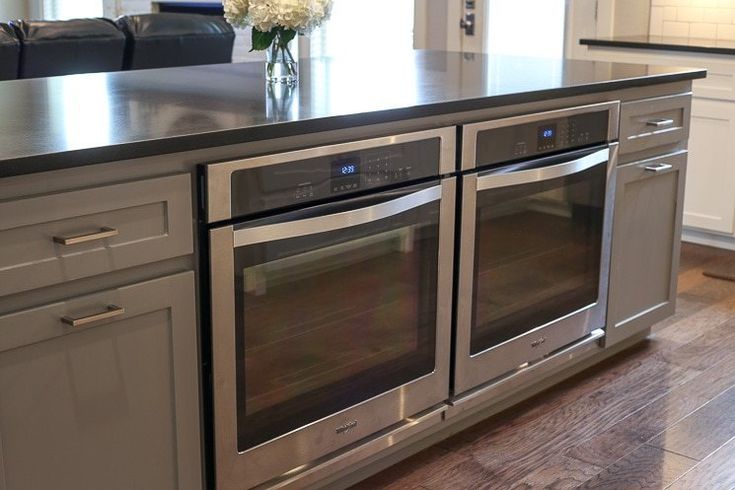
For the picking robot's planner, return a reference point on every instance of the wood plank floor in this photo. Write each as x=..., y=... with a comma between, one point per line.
x=660, y=415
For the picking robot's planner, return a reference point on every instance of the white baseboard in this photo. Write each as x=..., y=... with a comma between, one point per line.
x=709, y=239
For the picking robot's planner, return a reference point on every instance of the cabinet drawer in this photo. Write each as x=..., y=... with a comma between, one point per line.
x=61, y=237
x=650, y=123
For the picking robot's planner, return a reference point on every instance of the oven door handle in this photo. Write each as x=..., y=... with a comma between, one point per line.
x=497, y=180
x=338, y=221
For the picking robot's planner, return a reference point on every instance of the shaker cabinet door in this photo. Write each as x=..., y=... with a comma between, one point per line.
x=710, y=200
x=646, y=244
x=110, y=403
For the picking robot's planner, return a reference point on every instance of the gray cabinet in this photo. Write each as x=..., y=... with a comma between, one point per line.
x=646, y=243
x=111, y=403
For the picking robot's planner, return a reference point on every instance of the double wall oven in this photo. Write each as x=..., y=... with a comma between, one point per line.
x=331, y=289
x=534, y=246
x=333, y=282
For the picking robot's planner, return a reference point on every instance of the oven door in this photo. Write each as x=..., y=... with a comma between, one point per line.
x=329, y=324
x=534, y=261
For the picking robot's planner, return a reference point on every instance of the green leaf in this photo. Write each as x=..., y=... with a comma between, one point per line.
x=261, y=40
x=287, y=36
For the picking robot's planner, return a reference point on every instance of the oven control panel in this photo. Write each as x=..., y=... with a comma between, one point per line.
x=325, y=177
x=534, y=139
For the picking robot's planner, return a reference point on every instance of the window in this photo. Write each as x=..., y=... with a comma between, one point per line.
x=71, y=9
x=526, y=28
x=378, y=26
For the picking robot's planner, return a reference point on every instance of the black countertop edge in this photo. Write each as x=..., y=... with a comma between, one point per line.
x=660, y=45
x=149, y=148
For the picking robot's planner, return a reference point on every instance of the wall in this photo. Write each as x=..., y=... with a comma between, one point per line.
x=116, y=8
x=631, y=17
x=13, y=9
x=709, y=19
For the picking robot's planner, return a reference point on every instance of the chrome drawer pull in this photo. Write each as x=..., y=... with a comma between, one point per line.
x=100, y=235
x=657, y=167
x=660, y=123
x=112, y=312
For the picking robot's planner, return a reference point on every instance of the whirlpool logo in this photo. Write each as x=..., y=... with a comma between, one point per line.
x=538, y=342
x=346, y=427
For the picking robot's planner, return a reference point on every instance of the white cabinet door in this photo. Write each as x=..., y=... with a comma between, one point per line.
x=710, y=192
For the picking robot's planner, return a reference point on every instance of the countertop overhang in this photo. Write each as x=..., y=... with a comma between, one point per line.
x=61, y=122
x=665, y=43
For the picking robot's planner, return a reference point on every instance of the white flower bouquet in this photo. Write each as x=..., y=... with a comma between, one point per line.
x=277, y=22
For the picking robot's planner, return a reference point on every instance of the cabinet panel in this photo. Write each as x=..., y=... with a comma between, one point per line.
x=710, y=198
x=646, y=243
x=55, y=238
x=110, y=405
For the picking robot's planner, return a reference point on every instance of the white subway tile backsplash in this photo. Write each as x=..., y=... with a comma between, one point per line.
x=708, y=19
x=726, y=32
x=717, y=15
x=690, y=14
x=676, y=29
x=703, y=30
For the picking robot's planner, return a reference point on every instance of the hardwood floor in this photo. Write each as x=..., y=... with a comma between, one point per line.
x=660, y=415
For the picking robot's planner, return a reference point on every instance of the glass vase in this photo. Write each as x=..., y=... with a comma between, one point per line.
x=280, y=65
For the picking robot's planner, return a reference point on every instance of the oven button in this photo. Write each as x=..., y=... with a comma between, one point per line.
x=304, y=191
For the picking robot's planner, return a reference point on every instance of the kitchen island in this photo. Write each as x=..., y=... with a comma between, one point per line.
x=111, y=311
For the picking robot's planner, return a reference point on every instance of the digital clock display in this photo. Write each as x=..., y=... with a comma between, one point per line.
x=345, y=168
x=348, y=169
x=547, y=137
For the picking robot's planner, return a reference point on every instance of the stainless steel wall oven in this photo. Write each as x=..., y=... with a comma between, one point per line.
x=534, y=249
x=331, y=285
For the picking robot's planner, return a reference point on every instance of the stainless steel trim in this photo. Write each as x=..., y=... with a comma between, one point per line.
x=111, y=312
x=465, y=284
x=104, y=232
x=494, y=181
x=507, y=385
x=657, y=167
x=470, y=131
x=355, y=455
x=219, y=192
x=474, y=370
x=660, y=123
x=296, y=451
x=347, y=219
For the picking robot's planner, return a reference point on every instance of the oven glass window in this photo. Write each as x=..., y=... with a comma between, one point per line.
x=330, y=320
x=537, y=255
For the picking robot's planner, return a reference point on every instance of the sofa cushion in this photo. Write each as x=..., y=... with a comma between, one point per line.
x=66, y=47
x=173, y=39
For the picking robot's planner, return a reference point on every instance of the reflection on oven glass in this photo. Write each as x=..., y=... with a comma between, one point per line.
x=322, y=327
x=538, y=255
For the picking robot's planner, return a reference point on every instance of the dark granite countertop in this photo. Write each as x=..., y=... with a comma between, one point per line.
x=79, y=120
x=665, y=43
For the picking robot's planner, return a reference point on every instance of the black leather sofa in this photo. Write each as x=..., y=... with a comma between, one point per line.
x=30, y=49
x=51, y=48
x=9, y=53
x=171, y=39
